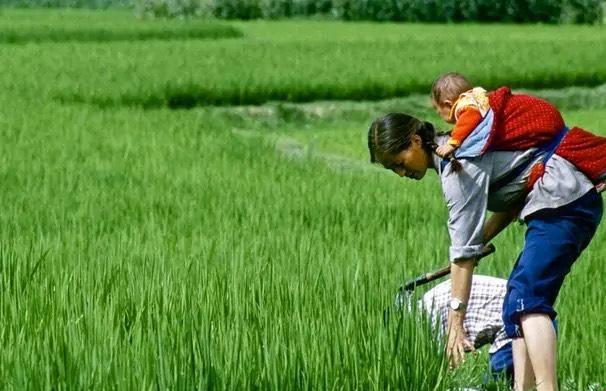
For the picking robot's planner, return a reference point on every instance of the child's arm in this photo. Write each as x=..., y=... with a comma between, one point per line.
x=469, y=118
x=445, y=150
x=467, y=121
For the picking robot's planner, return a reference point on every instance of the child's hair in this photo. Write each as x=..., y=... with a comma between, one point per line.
x=449, y=86
x=391, y=134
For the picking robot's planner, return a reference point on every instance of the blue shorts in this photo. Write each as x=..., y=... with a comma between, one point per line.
x=501, y=363
x=554, y=240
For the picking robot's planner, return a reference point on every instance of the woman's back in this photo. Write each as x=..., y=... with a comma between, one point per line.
x=496, y=181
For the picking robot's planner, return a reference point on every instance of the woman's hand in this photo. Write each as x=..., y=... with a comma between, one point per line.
x=458, y=343
x=461, y=274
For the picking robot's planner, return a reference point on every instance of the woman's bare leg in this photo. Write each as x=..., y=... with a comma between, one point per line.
x=522, y=368
x=540, y=339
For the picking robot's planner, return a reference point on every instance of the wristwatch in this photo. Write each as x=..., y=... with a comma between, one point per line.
x=456, y=304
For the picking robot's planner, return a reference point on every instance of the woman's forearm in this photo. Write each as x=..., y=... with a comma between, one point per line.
x=461, y=274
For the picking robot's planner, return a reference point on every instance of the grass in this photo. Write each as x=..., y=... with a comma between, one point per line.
x=154, y=261
x=167, y=236
x=306, y=61
x=182, y=249
x=21, y=26
x=341, y=127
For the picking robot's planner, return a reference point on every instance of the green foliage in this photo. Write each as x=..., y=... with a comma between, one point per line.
x=518, y=11
x=312, y=7
x=584, y=11
x=68, y=3
x=170, y=8
x=237, y=9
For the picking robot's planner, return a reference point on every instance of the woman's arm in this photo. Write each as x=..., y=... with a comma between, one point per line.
x=497, y=223
x=466, y=196
x=461, y=274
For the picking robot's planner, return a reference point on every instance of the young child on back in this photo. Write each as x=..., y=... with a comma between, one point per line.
x=502, y=120
x=458, y=103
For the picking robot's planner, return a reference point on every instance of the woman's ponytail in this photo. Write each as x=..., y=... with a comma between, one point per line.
x=392, y=133
x=428, y=135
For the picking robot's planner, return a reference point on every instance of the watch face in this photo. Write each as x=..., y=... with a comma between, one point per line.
x=455, y=304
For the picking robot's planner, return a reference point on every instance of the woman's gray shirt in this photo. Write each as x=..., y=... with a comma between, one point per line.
x=469, y=195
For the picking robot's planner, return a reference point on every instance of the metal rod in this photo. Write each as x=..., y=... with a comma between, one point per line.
x=428, y=277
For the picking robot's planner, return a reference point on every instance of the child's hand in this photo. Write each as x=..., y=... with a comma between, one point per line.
x=445, y=151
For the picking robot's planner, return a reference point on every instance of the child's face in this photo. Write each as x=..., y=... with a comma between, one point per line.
x=411, y=162
x=443, y=110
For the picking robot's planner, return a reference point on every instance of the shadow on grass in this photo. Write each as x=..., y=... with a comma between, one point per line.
x=97, y=34
x=589, y=94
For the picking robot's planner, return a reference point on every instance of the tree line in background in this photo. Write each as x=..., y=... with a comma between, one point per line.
x=67, y=3
x=514, y=11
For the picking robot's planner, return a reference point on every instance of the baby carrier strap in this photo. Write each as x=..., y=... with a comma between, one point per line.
x=547, y=150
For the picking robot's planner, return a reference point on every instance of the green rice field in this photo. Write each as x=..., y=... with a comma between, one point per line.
x=187, y=211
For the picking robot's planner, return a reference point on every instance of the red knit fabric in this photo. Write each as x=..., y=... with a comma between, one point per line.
x=586, y=151
x=523, y=121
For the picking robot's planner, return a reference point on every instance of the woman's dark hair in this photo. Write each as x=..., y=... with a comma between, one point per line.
x=391, y=134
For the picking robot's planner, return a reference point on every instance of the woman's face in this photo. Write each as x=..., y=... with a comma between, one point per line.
x=411, y=162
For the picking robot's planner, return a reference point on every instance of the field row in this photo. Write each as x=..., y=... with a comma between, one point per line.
x=22, y=26
x=186, y=74
x=302, y=64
